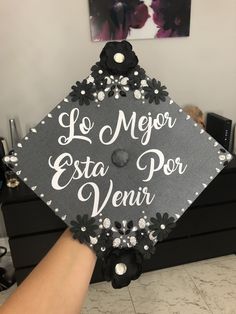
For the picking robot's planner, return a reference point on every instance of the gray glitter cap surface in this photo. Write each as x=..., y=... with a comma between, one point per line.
x=119, y=162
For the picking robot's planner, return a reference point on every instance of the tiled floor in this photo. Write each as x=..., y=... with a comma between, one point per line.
x=204, y=287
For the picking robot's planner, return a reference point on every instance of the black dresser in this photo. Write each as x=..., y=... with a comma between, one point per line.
x=207, y=229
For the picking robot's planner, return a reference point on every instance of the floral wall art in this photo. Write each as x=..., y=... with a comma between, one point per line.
x=135, y=19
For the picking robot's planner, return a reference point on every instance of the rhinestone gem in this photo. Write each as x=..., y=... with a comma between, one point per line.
x=119, y=57
x=13, y=159
x=163, y=226
x=103, y=249
x=142, y=223
x=156, y=91
x=146, y=247
x=106, y=223
x=133, y=241
x=100, y=71
x=137, y=94
x=120, y=269
x=222, y=157
x=82, y=92
x=93, y=240
x=116, y=242
x=136, y=73
x=83, y=228
x=101, y=95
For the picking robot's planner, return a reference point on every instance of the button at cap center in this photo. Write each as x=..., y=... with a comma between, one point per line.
x=120, y=157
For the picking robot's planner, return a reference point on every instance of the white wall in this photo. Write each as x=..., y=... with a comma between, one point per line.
x=46, y=47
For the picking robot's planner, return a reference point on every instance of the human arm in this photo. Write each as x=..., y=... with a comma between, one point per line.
x=58, y=284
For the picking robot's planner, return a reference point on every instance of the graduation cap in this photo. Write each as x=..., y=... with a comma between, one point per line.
x=119, y=161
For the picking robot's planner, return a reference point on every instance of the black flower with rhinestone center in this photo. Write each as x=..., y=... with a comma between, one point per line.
x=162, y=226
x=104, y=243
x=98, y=73
x=121, y=266
x=135, y=77
x=82, y=92
x=118, y=58
x=83, y=228
x=155, y=92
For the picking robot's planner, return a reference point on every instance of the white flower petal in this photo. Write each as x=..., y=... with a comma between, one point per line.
x=124, y=81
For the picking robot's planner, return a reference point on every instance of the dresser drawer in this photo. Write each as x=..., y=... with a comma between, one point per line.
x=205, y=219
x=221, y=189
x=30, y=217
x=35, y=217
x=172, y=253
x=182, y=251
x=29, y=250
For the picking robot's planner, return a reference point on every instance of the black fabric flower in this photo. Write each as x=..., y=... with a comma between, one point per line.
x=83, y=228
x=124, y=228
x=137, y=72
x=98, y=73
x=135, y=77
x=144, y=245
x=104, y=243
x=141, y=234
x=162, y=226
x=101, y=84
x=118, y=58
x=155, y=92
x=83, y=92
x=146, y=248
x=121, y=266
x=134, y=83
